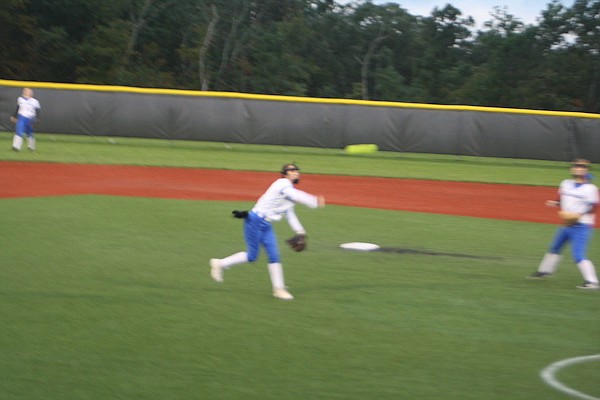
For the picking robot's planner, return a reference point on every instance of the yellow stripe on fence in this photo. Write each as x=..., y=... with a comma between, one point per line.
x=295, y=99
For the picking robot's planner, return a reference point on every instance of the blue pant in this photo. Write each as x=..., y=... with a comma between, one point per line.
x=259, y=232
x=24, y=125
x=579, y=236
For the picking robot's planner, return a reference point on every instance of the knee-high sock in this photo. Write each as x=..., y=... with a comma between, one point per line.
x=588, y=271
x=31, y=143
x=237, y=258
x=276, y=274
x=17, y=142
x=549, y=263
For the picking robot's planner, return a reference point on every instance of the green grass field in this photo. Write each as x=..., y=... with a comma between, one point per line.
x=102, y=150
x=109, y=297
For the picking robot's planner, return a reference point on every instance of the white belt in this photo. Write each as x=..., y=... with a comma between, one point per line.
x=261, y=215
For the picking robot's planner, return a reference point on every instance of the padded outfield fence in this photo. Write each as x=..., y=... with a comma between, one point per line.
x=296, y=121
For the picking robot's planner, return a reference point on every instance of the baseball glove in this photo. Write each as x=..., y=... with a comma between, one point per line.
x=239, y=214
x=297, y=242
x=568, y=218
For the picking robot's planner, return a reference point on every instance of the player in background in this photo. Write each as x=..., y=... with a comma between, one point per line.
x=26, y=114
x=277, y=201
x=580, y=196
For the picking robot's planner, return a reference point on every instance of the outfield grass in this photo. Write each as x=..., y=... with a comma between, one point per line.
x=157, y=152
x=109, y=297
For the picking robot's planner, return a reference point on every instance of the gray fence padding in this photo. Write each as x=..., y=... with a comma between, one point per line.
x=314, y=124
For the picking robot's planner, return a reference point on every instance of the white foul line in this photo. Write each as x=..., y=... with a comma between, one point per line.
x=547, y=375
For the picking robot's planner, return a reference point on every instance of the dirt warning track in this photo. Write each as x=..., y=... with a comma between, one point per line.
x=507, y=202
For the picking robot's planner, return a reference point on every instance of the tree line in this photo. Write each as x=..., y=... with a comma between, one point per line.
x=314, y=48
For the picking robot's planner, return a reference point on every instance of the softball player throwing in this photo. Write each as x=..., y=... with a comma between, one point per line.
x=277, y=202
x=578, y=200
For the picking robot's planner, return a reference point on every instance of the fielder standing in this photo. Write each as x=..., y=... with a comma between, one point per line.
x=26, y=114
x=578, y=200
x=277, y=202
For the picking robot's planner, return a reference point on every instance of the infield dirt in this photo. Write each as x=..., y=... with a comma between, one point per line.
x=506, y=202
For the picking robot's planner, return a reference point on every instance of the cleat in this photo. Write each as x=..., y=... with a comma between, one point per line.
x=589, y=285
x=540, y=275
x=216, y=271
x=282, y=294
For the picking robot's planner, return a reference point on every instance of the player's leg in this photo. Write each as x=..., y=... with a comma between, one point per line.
x=254, y=228
x=581, y=238
x=252, y=238
x=269, y=240
x=30, y=137
x=551, y=259
x=18, y=137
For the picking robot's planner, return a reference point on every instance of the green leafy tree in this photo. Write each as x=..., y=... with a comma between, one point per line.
x=279, y=65
x=379, y=29
x=100, y=53
x=16, y=40
x=319, y=48
x=445, y=43
x=583, y=19
x=62, y=25
x=506, y=58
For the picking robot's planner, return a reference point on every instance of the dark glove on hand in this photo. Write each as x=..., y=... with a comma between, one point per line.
x=297, y=242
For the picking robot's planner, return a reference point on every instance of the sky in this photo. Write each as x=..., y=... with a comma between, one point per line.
x=525, y=10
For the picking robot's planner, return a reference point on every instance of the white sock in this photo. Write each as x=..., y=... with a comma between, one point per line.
x=31, y=143
x=276, y=274
x=17, y=142
x=588, y=271
x=549, y=263
x=237, y=258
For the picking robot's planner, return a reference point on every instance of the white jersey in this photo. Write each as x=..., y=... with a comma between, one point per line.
x=28, y=106
x=279, y=200
x=578, y=197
